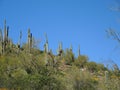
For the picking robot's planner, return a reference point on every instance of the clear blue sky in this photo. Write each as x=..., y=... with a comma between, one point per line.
x=76, y=22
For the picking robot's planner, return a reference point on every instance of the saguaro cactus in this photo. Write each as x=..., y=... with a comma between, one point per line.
x=46, y=45
x=106, y=76
x=59, y=51
x=79, y=50
x=29, y=40
x=19, y=42
x=1, y=36
x=60, y=46
x=5, y=40
x=1, y=41
x=28, y=36
x=5, y=31
x=71, y=48
x=20, y=37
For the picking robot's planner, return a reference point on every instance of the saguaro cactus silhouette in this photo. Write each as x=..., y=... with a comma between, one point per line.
x=1, y=36
x=1, y=41
x=79, y=50
x=6, y=31
x=59, y=51
x=20, y=37
x=19, y=41
x=29, y=40
x=46, y=45
x=71, y=48
x=5, y=39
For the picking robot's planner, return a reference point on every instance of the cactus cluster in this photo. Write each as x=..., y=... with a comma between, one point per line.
x=4, y=40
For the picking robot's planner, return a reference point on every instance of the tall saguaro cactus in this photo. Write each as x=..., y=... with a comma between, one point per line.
x=1, y=41
x=46, y=45
x=19, y=41
x=1, y=36
x=6, y=31
x=71, y=48
x=106, y=76
x=5, y=39
x=59, y=51
x=60, y=46
x=79, y=50
x=20, y=37
x=29, y=40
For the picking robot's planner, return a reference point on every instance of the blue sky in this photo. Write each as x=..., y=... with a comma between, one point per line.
x=76, y=22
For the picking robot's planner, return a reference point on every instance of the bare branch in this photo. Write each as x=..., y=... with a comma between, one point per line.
x=115, y=35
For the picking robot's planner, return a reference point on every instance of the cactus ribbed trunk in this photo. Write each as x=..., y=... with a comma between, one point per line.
x=29, y=40
x=71, y=48
x=1, y=42
x=59, y=52
x=19, y=41
x=79, y=50
x=46, y=45
x=106, y=76
x=5, y=41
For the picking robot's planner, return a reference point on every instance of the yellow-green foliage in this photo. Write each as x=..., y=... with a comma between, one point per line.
x=37, y=70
